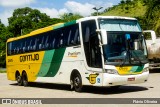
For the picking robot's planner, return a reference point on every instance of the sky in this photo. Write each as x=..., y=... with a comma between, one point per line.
x=53, y=8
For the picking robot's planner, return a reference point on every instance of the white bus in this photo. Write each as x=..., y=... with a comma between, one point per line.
x=95, y=51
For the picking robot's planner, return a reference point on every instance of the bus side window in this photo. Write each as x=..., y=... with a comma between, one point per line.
x=9, y=48
x=51, y=40
x=69, y=37
x=73, y=35
x=76, y=37
x=61, y=40
x=15, y=47
x=24, y=47
x=35, y=44
x=65, y=36
x=46, y=45
x=17, y=50
x=53, y=43
x=38, y=42
x=57, y=36
x=27, y=44
x=28, y=48
x=12, y=48
x=41, y=43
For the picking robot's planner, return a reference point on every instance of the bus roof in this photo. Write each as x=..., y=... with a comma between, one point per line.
x=59, y=25
x=107, y=17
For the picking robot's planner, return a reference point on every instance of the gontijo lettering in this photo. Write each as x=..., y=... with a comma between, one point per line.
x=30, y=57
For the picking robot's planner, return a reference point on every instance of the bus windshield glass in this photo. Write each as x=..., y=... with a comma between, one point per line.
x=122, y=50
x=125, y=43
x=119, y=25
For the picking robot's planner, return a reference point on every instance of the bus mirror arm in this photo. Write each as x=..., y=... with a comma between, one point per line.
x=103, y=36
x=99, y=37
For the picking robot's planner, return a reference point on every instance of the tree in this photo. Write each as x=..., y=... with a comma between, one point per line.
x=26, y=19
x=4, y=35
x=66, y=17
x=2, y=29
x=152, y=15
x=128, y=1
x=1, y=26
x=47, y=23
x=122, y=2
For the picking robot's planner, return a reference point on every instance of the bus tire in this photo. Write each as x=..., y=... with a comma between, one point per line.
x=77, y=82
x=19, y=79
x=25, y=79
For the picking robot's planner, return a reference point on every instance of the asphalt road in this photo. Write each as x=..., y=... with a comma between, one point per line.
x=150, y=89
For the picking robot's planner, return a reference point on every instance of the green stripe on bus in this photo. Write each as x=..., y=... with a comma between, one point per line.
x=65, y=24
x=56, y=62
x=137, y=69
x=70, y=23
x=46, y=63
x=58, y=26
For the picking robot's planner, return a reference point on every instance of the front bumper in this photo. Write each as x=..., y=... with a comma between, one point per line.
x=115, y=79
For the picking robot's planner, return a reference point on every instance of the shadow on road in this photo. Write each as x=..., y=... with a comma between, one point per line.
x=89, y=89
x=107, y=90
x=154, y=71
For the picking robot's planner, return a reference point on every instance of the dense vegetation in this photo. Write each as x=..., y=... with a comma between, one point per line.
x=25, y=20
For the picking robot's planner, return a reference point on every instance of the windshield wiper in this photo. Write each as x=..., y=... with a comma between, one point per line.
x=124, y=59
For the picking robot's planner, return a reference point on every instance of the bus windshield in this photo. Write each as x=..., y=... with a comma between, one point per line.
x=119, y=50
x=125, y=43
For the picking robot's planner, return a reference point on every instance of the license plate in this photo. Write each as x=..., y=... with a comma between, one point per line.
x=131, y=79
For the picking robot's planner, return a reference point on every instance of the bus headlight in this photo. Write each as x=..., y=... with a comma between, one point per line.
x=146, y=69
x=111, y=71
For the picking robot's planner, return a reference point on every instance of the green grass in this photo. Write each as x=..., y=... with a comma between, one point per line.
x=2, y=71
x=132, y=10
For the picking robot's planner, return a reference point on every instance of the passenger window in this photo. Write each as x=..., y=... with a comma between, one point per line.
x=61, y=40
x=67, y=36
x=73, y=35
x=9, y=48
x=24, y=47
x=76, y=37
x=46, y=43
x=30, y=45
x=57, y=37
x=41, y=42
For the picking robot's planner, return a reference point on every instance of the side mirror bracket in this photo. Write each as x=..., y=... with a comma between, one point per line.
x=103, y=36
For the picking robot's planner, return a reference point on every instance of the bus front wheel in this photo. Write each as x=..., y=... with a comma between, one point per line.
x=77, y=82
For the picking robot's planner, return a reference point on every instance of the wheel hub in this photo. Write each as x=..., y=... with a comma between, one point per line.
x=76, y=81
